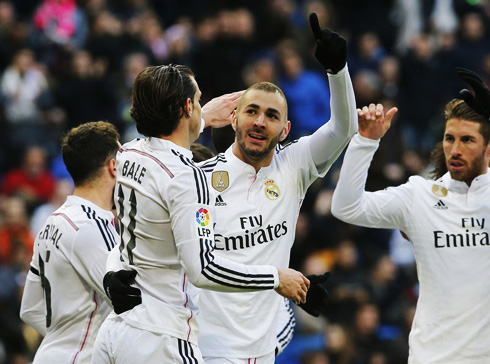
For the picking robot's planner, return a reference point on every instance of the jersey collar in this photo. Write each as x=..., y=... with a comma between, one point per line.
x=163, y=144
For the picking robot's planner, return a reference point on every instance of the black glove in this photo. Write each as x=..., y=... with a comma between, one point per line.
x=331, y=48
x=117, y=286
x=317, y=296
x=480, y=102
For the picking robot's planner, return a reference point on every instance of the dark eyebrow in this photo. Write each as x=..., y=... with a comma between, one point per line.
x=270, y=109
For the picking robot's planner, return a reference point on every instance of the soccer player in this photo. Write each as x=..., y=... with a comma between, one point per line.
x=64, y=299
x=445, y=221
x=260, y=186
x=166, y=217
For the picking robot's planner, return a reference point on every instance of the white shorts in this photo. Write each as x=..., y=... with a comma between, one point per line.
x=266, y=359
x=120, y=343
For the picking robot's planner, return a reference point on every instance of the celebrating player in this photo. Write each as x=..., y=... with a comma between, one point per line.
x=260, y=186
x=445, y=221
x=167, y=236
x=64, y=299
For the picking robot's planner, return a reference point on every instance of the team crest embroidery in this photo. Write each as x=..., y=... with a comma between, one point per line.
x=202, y=217
x=220, y=180
x=439, y=191
x=271, y=190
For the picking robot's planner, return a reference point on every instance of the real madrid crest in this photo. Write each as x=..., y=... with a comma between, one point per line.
x=439, y=191
x=272, y=192
x=220, y=180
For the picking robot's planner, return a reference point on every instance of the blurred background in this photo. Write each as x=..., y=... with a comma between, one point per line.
x=65, y=62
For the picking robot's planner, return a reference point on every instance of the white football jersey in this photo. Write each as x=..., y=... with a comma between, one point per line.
x=448, y=225
x=64, y=298
x=256, y=216
x=166, y=215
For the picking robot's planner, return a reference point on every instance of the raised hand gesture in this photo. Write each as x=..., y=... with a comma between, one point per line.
x=331, y=48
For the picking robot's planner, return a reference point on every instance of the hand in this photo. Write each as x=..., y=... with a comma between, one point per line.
x=217, y=112
x=481, y=101
x=373, y=123
x=317, y=296
x=292, y=285
x=117, y=286
x=331, y=48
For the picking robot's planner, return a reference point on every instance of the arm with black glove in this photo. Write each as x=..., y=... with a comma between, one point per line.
x=117, y=286
x=317, y=295
x=331, y=48
x=480, y=102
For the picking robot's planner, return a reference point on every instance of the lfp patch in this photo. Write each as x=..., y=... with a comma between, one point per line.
x=202, y=217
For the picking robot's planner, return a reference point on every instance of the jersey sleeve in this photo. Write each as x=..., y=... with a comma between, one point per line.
x=89, y=256
x=32, y=309
x=192, y=224
x=328, y=142
x=351, y=203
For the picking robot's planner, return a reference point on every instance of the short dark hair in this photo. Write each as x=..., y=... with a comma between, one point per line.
x=267, y=87
x=200, y=152
x=158, y=98
x=459, y=109
x=87, y=148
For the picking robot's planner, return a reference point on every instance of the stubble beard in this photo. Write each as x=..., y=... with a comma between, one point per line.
x=255, y=154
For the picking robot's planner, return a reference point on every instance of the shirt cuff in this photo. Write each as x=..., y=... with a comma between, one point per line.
x=276, y=277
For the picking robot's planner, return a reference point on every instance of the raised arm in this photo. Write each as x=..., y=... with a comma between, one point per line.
x=328, y=141
x=351, y=203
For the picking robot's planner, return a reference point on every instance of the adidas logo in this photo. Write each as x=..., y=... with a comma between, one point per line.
x=440, y=206
x=219, y=201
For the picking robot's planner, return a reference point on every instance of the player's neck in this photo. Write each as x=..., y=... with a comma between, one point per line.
x=181, y=135
x=98, y=193
x=257, y=164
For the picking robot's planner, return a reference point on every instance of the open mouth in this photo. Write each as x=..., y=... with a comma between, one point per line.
x=257, y=137
x=456, y=164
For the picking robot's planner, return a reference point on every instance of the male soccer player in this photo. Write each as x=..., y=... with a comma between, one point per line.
x=64, y=299
x=446, y=221
x=167, y=236
x=260, y=187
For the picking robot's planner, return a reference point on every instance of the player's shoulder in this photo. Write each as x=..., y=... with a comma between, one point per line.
x=211, y=164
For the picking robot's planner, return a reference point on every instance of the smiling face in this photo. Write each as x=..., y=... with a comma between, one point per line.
x=260, y=122
x=466, y=153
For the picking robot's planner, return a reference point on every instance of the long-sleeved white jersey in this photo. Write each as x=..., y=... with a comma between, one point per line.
x=447, y=224
x=63, y=298
x=256, y=215
x=166, y=219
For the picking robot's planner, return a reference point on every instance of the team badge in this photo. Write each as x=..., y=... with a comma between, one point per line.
x=202, y=217
x=439, y=191
x=271, y=190
x=220, y=180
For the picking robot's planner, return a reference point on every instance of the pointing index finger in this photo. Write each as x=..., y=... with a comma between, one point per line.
x=315, y=26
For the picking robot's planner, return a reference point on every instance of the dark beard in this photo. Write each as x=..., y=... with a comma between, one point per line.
x=474, y=170
x=255, y=155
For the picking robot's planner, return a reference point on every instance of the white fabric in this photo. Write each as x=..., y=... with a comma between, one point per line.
x=69, y=260
x=121, y=343
x=163, y=205
x=254, y=226
x=447, y=223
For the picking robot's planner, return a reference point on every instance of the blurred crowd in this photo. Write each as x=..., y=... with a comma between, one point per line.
x=65, y=62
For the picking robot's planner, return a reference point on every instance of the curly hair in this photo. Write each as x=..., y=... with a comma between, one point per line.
x=87, y=148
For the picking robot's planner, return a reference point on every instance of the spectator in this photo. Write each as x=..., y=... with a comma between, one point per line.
x=31, y=180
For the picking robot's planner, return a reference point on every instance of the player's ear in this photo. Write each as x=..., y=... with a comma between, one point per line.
x=285, y=130
x=112, y=167
x=188, y=107
x=233, y=119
